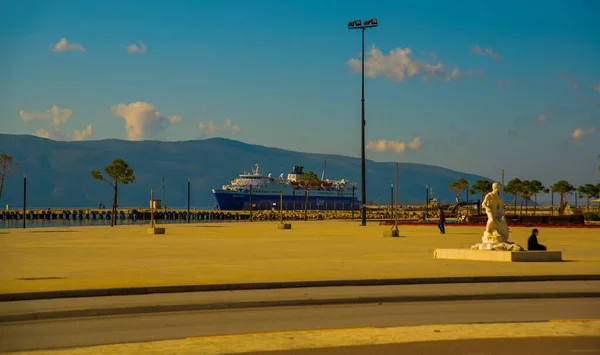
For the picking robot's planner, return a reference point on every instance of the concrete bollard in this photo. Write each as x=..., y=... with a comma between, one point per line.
x=391, y=233
x=156, y=230
x=284, y=226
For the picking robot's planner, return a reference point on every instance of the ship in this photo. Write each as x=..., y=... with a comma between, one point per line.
x=265, y=192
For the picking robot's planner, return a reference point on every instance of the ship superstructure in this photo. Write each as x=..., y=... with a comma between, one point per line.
x=264, y=190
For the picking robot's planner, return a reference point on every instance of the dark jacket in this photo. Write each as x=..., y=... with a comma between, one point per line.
x=532, y=242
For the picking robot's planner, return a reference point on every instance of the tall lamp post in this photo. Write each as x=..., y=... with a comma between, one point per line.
x=188, y=210
x=163, y=187
x=426, y=202
x=392, y=195
x=24, y=199
x=355, y=25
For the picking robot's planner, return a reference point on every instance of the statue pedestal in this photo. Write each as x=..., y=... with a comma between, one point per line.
x=497, y=246
x=494, y=255
x=494, y=244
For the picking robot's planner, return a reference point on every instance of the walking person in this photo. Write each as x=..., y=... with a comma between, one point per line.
x=442, y=221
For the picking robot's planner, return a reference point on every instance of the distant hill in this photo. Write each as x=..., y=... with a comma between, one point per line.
x=58, y=173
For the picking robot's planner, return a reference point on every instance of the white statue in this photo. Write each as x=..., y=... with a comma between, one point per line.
x=495, y=236
x=496, y=229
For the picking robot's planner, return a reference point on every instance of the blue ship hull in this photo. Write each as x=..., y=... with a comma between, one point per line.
x=231, y=201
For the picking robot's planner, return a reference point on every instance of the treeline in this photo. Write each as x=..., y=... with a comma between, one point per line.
x=527, y=190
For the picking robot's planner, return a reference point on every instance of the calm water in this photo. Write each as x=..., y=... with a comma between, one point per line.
x=84, y=223
x=4, y=224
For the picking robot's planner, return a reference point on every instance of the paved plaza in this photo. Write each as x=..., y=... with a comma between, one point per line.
x=55, y=259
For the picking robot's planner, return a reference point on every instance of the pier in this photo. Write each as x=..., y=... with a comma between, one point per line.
x=124, y=214
x=375, y=214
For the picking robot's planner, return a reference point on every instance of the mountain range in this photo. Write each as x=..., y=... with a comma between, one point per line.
x=59, y=172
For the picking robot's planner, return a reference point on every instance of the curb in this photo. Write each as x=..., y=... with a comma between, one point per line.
x=81, y=313
x=515, y=225
x=26, y=296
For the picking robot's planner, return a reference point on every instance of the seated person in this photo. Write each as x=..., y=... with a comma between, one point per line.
x=532, y=243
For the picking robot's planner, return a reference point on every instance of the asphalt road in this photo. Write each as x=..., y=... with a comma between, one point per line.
x=309, y=296
x=77, y=332
x=527, y=346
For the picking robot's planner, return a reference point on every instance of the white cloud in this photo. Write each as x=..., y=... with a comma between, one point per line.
x=211, y=127
x=134, y=48
x=142, y=119
x=596, y=87
x=578, y=134
x=174, y=119
x=394, y=146
x=415, y=143
x=501, y=82
x=41, y=133
x=487, y=52
x=570, y=80
x=400, y=64
x=76, y=135
x=65, y=46
x=79, y=135
x=207, y=128
x=56, y=114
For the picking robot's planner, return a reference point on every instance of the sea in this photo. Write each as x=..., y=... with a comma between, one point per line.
x=44, y=223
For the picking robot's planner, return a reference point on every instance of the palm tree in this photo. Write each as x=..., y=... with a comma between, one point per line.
x=117, y=172
x=562, y=187
x=547, y=191
x=459, y=186
x=482, y=187
x=515, y=187
x=535, y=187
x=7, y=166
x=598, y=188
x=588, y=191
x=526, y=194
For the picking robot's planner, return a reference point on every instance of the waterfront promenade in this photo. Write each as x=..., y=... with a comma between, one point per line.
x=79, y=258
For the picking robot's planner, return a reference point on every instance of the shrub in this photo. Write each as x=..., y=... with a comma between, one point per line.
x=591, y=216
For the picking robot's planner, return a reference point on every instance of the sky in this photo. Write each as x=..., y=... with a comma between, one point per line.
x=473, y=86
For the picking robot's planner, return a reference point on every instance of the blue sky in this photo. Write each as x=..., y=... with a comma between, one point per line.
x=472, y=86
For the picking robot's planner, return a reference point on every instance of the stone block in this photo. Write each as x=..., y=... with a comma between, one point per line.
x=284, y=226
x=494, y=255
x=156, y=230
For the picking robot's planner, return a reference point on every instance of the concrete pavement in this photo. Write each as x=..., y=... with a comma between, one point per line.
x=83, y=258
x=196, y=301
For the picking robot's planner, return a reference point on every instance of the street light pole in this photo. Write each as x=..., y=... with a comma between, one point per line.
x=357, y=24
x=426, y=201
x=188, y=201
x=467, y=200
x=24, y=199
x=164, y=202
x=362, y=144
x=392, y=195
x=353, y=187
